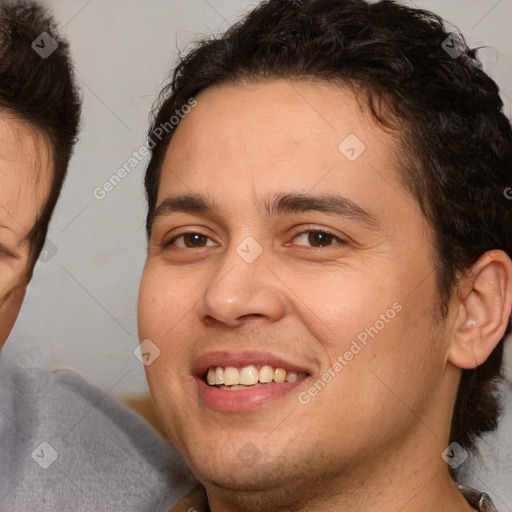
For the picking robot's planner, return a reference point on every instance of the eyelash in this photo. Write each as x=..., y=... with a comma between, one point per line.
x=317, y=231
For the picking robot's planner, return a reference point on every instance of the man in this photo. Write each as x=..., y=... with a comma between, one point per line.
x=328, y=280
x=64, y=445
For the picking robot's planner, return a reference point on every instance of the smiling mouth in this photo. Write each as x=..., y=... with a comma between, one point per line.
x=247, y=377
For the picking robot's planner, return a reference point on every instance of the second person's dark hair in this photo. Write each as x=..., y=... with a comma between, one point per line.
x=39, y=91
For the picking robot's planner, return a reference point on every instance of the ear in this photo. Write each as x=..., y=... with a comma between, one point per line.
x=484, y=306
x=10, y=307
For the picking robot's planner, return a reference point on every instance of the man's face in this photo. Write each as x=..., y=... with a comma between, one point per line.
x=311, y=258
x=25, y=178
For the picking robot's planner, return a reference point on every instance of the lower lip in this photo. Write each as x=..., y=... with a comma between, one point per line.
x=244, y=399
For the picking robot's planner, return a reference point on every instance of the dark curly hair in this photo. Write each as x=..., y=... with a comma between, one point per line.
x=456, y=143
x=39, y=91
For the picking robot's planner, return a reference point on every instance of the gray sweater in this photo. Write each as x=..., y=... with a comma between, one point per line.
x=67, y=446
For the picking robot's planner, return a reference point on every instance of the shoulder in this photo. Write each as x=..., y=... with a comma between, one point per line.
x=63, y=440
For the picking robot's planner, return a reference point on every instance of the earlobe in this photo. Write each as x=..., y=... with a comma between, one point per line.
x=483, y=311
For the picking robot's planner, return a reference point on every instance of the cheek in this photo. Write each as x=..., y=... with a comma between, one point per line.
x=373, y=323
x=164, y=301
x=384, y=376
x=340, y=304
x=166, y=316
x=164, y=306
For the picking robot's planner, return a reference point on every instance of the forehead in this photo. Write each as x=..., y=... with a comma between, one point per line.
x=25, y=174
x=277, y=136
x=258, y=121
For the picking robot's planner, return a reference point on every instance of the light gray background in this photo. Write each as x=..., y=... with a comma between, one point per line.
x=80, y=311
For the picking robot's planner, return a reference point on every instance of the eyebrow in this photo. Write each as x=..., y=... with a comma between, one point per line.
x=279, y=204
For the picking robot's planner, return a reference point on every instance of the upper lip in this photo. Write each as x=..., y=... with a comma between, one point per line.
x=239, y=359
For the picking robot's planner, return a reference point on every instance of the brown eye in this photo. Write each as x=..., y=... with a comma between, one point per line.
x=319, y=238
x=190, y=241
x=194, y=240
x=316, y=238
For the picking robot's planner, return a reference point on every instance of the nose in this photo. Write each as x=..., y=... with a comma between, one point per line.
x=240, y=292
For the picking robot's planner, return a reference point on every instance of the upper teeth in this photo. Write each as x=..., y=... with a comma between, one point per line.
x=249, y=375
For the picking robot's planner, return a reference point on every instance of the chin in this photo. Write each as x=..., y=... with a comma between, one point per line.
x=247, y=481
x=266, y=487
x=243, y=469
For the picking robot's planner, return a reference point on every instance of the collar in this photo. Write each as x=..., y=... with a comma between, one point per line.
x=478, y=500
x=197, y=500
